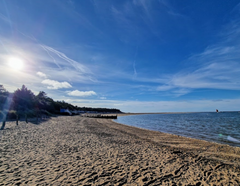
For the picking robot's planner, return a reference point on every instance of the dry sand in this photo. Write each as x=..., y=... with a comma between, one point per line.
x=85, y=151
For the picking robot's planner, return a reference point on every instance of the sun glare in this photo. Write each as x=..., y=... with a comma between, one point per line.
x=15, y=63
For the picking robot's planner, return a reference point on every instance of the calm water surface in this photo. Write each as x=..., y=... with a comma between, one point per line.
x=222, y=127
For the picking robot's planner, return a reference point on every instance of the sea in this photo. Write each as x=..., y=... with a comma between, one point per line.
x=221, y=127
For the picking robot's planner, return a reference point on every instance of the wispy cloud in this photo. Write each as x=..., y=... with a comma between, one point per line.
x=217, y=67
x=79, y=18
x=68, y=68
x=74, y=63
x=56, y=84
x=50, y=56
x=134, y=69
x=224, y=75
x=152, y=18
x=147, y=15
x=124, y=19
x=146, y=6
x=77, y=65
x=4, y=18
x=82, y=93
x=171, y=10
x=134, y=63
x=165, y=87
x=181, y=91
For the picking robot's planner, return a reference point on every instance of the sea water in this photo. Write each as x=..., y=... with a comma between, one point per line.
x=222, y=127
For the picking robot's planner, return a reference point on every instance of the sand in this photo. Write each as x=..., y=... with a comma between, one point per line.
x=86, y=151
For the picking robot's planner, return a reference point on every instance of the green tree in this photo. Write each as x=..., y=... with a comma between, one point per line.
x=3, y=97
x=23, y=101
x=42, y=103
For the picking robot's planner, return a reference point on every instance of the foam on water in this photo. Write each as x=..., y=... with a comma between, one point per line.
x=233, y=139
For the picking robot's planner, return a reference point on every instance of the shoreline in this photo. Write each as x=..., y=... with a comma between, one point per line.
x=208, y=149
x=126, y=114
x=90, y=151
x=129, y=114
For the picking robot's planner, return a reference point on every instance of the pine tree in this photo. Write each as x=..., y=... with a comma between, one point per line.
x=23, y=101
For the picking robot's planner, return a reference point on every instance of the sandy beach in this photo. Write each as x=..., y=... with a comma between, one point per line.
x=76, y=150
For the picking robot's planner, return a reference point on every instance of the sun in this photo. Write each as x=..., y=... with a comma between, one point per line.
x=15, y=63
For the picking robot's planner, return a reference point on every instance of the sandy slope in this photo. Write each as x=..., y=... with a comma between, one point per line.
x=85, y=151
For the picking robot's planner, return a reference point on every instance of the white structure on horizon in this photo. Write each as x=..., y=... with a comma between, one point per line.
x=72, y=111
x=65, y=111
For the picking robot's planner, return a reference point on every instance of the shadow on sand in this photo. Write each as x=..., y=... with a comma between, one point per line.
x=35, y=121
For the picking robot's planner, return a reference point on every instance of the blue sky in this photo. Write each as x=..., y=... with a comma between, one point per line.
x=135, y=55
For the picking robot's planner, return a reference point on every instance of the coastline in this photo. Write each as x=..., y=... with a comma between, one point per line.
x=178, y=134
x=211, y=150
x=88, y=151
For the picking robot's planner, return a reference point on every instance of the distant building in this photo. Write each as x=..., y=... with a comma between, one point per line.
x=65, y=111
x=77, y=111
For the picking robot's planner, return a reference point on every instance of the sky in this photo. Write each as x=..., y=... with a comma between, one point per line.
x=134, y=55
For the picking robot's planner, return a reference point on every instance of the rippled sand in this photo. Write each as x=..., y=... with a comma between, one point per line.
x=85, y=151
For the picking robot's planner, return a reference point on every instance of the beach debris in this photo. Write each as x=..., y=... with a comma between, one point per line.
x=177, y=152
x=100, y=116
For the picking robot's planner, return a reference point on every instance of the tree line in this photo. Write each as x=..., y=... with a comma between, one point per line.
x=23, y=103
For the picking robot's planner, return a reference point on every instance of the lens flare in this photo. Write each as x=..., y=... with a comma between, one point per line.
x=15, y=63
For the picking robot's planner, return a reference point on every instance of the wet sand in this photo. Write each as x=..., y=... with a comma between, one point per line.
x=86, y=151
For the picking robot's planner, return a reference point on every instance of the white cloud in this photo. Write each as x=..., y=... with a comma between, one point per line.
x=41, y=74
x=56, y=84
x=82, y=93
